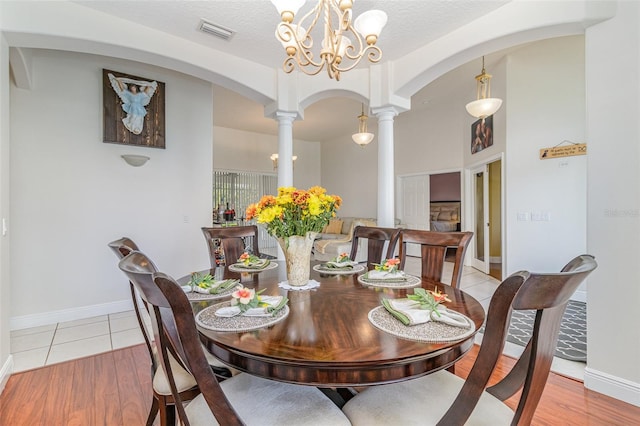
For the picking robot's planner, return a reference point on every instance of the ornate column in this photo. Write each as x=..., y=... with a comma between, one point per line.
x=386, y=169
x=285, y=147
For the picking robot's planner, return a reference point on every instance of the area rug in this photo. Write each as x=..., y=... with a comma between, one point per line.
x=572, y=340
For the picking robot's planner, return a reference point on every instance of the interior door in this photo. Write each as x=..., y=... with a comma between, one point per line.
x=480, y=217
x=416, y=210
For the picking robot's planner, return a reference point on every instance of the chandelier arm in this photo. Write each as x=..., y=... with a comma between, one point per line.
x=374, y=55
x=289, y=65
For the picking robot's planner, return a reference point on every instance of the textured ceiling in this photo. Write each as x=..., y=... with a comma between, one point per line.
x=411, y=24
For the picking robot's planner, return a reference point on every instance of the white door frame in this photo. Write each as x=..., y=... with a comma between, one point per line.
x=468, y=219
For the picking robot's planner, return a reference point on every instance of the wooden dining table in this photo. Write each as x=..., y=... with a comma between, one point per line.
x=327, y=339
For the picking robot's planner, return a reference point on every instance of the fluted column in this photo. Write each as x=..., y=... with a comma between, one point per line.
x=285, y=147
x=386, y=170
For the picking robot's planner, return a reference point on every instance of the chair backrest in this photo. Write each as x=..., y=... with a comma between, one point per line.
x=433, y=249
x=122, y=248
x=232, y=242
x=548, y=295
x=185, y=342
x=376, y=239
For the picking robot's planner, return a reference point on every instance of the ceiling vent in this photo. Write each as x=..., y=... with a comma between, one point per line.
x=216, y=30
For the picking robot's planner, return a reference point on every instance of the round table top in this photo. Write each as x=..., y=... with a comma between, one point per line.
x=327, y=339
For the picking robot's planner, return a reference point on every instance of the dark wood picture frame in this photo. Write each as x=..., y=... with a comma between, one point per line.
x=481, y=134
x=124, y=92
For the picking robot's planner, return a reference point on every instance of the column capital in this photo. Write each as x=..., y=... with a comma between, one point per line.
x=387, y=111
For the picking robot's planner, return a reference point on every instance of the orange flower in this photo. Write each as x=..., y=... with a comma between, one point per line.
x=300, y=197
x=251, y=211
x=266, y=201
x=438, y=296
x=390, y=263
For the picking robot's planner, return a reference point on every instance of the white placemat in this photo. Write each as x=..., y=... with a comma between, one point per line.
x=237, y=268
x=411, y=281
x=207, y=318
x=311, y=284
x=431, y=332
x=332, y=271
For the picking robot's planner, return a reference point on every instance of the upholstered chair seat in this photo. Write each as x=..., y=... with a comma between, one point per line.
x=261, y=402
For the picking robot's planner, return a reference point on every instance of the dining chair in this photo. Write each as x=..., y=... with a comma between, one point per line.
x=139, y=264
x=433, y=249
x=232, y=242
x=242, y=399
x=376, y=240
x=450, y=400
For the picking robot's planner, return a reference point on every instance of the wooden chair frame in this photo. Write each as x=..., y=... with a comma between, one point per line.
x=139, y=269
x=232, y=242
x=376, y=239
x=433, y=248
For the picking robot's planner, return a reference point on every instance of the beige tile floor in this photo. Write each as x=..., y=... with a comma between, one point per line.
x=50, y=344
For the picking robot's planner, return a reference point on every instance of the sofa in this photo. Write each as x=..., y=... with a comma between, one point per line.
x=336, y=238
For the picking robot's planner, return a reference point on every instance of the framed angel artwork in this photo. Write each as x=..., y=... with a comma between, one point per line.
x=133, y=110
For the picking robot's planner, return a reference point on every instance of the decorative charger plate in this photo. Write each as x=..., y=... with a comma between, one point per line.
x=236, y=268
x=194, y=296
x=411, y=281
x=334, y=271
x=207, y=318
x=429, y=332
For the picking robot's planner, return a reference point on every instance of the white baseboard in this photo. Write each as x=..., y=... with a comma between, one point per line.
x=615, y=387
x=72, y=314
x=5, y=372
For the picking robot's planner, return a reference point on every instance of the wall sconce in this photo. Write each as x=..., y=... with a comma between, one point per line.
x=274, y=158
x=135, y=160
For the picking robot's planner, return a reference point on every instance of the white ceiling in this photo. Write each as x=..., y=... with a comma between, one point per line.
x=411, y=24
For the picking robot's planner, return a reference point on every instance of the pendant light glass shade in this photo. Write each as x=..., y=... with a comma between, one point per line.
x=484, y=105
x=363, y=137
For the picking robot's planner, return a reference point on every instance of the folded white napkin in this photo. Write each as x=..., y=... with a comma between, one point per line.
x=415, y=315
x=232, y=311
x=385, y=275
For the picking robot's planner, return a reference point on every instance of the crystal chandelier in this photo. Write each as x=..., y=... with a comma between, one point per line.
x=362, y=138
x=343, y=42
x=485, y=105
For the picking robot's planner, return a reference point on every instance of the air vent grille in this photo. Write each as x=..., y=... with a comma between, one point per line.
x=216, y=30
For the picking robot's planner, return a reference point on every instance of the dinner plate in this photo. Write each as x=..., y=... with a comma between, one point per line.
x=411, y=281
x=237, y=268
x=207, y=318
x=332, y=271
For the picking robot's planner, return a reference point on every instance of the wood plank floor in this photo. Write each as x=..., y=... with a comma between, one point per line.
x=114, y=388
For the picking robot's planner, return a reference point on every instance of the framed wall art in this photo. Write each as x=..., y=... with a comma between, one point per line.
x=482, y=134
x=133, y=110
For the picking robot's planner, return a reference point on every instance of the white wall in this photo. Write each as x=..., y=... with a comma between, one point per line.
x=431, y=139
x=351, y=171
x=72, y=193
x=241, y=150
x=6, y=364
x=613, y=109
x=546, y=106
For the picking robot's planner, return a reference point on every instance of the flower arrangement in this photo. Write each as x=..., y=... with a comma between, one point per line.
x=388, y=265
x=202, y=281
x=342, y=257
x=295, y=211
x=428, y=299
x=245, y=298
x=248, y=258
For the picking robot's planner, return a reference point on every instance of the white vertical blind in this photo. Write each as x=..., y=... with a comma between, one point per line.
x=240, y=189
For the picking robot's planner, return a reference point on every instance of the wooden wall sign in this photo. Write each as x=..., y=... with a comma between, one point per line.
x=563, y=151
x=133, y=110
